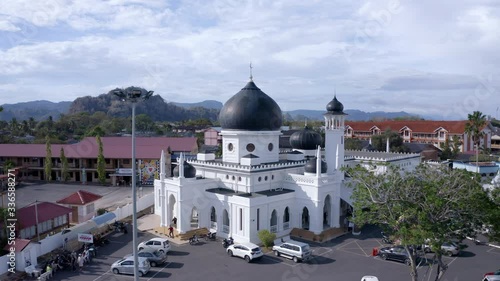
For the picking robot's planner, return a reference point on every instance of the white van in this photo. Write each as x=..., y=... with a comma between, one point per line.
x=369, y=278
x=295, y=250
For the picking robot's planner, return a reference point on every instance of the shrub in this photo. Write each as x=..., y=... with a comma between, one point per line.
x=101, y=211
x=267, y=238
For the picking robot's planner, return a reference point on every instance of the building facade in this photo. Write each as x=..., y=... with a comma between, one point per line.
x=254, y=186
x=419, y=131
x=29, y=159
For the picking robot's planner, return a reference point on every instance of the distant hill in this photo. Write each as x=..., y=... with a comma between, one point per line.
x=40, y=110
x=159, y=110
x=155, y=107
x=210, y=104
x=353, y=115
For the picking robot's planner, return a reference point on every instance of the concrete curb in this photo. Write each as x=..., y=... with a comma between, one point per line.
x=487, y=244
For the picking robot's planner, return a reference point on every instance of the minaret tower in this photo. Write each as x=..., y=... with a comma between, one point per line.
x=334, y=135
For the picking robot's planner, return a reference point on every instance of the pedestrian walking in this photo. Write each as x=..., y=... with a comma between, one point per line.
x=171, y=231
x=80, y=262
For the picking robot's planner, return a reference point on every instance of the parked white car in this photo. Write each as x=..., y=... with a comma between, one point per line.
x=369, y=278
x=161, y=245
x=448, y=248
x=247, y=251
x=126, y=266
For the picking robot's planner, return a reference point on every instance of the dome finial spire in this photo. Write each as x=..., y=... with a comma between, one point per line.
x=251, y=76
x=334, y=91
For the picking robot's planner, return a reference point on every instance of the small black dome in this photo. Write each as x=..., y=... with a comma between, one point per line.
x=311, y=166
x=189, y=170
x=306, y=139
x=335, y=106
x=251, y=110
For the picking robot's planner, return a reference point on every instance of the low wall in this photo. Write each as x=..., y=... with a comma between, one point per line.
x=50, y=243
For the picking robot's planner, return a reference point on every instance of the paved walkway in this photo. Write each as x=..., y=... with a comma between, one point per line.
x=150, y=223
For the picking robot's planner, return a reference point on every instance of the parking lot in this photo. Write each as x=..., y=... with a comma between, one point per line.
x=346, y=258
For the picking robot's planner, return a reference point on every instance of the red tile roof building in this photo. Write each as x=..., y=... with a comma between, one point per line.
x=82, y=204
x=418, y=131
x=82, y=156
x=50, y=217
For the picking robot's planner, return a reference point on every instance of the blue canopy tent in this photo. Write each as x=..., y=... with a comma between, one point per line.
x=104, y=218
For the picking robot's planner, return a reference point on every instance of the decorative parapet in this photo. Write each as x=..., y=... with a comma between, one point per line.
x=246, y=168
x=309, y=180
x=379, y=156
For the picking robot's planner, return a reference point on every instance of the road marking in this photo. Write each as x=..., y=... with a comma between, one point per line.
x=159, y=271
x=102, y=275
x=361, y=249
x=344, y=244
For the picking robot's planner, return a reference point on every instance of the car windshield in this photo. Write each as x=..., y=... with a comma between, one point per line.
x=305, y=248
x=156, y=254
x=255, y=249
x=165, y=243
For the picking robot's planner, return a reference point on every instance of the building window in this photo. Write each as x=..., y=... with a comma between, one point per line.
x=239, y=178
x=272, y=177
x=126, y=161
x=250, y=147
x=108, y=161
x=241, y=219
x=230, y=147
x=259, y=179
x=270, y=147
x=258, y=219
x=265, y=178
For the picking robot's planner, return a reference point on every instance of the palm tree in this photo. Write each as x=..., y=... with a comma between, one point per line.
x=474, y=128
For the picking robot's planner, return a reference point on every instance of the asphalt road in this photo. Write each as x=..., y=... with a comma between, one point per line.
x=346, y=258
x=113, y=196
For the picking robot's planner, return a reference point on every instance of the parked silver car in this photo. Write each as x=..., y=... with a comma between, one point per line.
x=295, y=250
x=126, y=266
x=154, y=257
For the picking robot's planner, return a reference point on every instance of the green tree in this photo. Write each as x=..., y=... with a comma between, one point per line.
x=48, y=160
x=65, y=166
x=425, y=205
x=379, y=142
x=101, y=162
x=7, y=165
x=353, y=144
x=266, y=237
x=474, y=129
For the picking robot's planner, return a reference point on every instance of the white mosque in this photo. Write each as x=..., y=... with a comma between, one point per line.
x=254, y=186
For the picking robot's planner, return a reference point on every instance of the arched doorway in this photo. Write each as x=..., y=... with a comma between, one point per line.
x=305, y=218
x=194, y=218
x=213, y=218
x=286, y=219
x=172, y=212
x=274, y=222
x=345, y=213
x=225, y=221
x=327, y=210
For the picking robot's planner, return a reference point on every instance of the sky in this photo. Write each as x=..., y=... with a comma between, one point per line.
x=427, y=57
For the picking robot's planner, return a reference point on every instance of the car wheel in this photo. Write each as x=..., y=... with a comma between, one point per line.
x=115, y=271
x=383, y=256
x=276, y=253
x=230, y=253
x=161, y=252
x=449, y=254
x=153, y=264
x=141, y=248
x=295, y=259
x=247, y=259
x=141, y=274
x=408, y=262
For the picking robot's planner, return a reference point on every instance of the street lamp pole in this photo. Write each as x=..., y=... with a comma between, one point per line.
x=133, y=94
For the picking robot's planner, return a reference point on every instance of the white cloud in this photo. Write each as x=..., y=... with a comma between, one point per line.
x=374, y=53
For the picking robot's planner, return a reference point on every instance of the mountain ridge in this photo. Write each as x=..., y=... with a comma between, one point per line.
x=42, y=109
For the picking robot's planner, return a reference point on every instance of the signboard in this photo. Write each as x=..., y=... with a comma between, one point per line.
x=124, y=171
x=85, y=237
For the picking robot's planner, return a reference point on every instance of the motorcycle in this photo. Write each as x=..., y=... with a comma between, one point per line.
x=211, y=236
x=194, y=240
x=227, y=242
x=386, y=239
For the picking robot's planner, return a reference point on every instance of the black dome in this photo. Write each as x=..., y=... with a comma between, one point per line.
x=335, y=106
x=311, y=166
x=251, y=110
x=306, y=139
x=189, y=170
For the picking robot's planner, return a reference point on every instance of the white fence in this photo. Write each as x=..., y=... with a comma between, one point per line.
x=53, y=242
